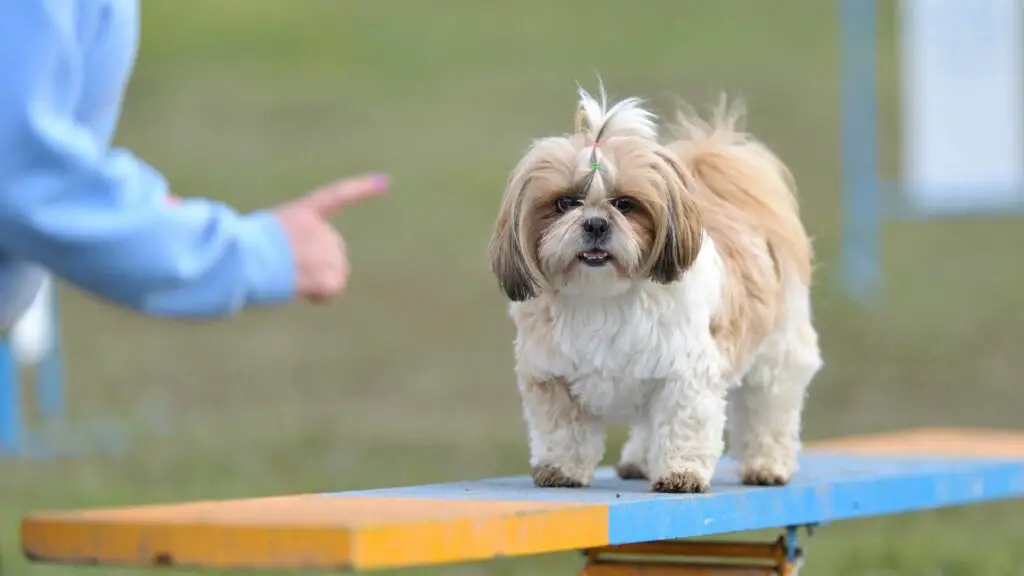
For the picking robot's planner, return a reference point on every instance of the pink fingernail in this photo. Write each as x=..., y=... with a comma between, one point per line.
x=381, y=181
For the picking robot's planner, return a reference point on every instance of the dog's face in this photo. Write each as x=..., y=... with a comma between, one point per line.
x=591, y=219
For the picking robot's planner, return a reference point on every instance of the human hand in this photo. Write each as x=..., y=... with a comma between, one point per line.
x=321, y=263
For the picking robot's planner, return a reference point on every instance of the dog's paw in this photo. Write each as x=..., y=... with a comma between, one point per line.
x=763, y=477
x=547, y=476
x=686, y=482
x=630, y=471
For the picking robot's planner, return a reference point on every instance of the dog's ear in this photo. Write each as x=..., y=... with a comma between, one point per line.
x=506, y=255
x=681, y=232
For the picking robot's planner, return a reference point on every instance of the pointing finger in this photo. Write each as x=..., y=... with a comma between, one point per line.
x=330, y=199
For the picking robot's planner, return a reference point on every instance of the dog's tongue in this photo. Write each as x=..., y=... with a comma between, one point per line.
x=595, y=254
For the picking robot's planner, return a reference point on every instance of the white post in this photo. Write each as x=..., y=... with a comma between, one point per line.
x=32, y=336
x=963, y=147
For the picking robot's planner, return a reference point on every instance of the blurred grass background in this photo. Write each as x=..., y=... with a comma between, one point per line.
x=409, y=378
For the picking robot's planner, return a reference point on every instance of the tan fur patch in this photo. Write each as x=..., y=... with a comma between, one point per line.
x=524, y=214
x=670, y=230
x=747, y=199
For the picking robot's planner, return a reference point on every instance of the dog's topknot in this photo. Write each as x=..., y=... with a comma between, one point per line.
x=596, y=120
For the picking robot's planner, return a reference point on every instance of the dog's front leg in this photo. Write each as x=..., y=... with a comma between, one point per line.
x=566, y=440
x=687, y=425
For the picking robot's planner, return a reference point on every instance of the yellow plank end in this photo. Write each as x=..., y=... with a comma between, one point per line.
x=954, y=442
x=313, y=532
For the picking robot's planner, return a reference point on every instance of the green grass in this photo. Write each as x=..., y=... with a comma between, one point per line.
x=409, y=378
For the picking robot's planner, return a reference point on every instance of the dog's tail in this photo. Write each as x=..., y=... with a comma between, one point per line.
x=743, y=177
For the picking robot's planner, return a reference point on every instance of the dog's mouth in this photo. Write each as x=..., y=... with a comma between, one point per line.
x=594, y=257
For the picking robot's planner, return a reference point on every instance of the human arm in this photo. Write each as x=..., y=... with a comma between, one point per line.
x=100, y=218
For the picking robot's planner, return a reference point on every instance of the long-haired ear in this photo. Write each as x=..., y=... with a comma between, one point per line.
x=682, y=235
x=505, y=252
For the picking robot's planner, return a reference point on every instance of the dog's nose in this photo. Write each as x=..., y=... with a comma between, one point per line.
x=595, y=227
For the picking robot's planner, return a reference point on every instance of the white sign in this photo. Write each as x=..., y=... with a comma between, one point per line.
x=963, y=146
x=32, y=336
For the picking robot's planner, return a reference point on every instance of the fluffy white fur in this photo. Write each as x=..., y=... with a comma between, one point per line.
x=692, y=306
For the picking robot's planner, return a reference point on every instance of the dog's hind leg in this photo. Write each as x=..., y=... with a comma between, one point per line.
x=633, y=462
x=765, y=412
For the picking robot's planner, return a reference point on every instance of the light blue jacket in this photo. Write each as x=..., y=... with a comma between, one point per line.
x=98, y=216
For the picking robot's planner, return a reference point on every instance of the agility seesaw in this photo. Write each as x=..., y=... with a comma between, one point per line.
x=620, y=526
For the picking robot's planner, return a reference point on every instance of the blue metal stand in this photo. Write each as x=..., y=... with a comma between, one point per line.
x=11, y=423
x=861, y=272
x=867, y=201
x=54, y=439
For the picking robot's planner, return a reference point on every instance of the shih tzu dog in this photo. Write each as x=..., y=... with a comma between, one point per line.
x=660, y=284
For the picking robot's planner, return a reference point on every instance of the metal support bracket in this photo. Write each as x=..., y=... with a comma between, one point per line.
x=781, y=557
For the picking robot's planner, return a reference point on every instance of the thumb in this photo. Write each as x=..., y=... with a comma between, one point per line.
x=330, y=199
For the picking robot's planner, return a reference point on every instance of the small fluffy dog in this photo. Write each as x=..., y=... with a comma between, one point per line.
x=659, y=284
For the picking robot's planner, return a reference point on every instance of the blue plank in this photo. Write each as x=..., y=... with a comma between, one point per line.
x=930, y=486
x=829, y=487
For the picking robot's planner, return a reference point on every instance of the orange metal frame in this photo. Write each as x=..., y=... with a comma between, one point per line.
x=696, y=558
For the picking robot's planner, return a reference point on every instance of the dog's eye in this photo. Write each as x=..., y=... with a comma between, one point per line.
x=566, y=203
x=623, y=205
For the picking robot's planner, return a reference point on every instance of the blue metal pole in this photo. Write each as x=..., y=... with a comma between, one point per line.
x=861, y=196
x=10, y=401
x=50, y=373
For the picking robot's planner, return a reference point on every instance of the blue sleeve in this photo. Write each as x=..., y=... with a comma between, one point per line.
x=100, y=218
